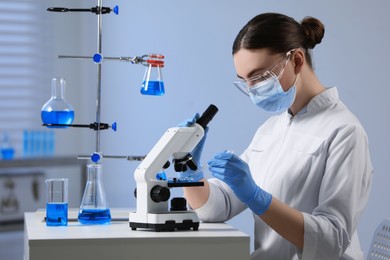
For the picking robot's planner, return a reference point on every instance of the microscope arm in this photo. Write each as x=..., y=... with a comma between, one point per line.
x=176, y=142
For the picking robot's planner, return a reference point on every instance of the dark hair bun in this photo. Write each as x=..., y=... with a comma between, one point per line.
x=313, y=31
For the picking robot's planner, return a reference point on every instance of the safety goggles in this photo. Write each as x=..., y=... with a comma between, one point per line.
x=276, y=71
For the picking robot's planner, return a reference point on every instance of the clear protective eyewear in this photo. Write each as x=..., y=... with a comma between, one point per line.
x=276, y=71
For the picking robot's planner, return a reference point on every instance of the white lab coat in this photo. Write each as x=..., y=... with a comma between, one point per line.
x=317, y=162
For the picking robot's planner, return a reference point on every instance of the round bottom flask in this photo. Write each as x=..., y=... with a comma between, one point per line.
x=94, y=208
x=56, y=110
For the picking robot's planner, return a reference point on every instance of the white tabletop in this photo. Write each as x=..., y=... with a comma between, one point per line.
x=37, y=229
x=214, y=239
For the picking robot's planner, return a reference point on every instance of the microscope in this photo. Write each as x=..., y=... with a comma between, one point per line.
x=153, y=191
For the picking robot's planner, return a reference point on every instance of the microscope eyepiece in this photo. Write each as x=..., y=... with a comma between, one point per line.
x=207, y=116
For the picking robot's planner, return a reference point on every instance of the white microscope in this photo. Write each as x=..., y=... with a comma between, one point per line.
x=153, y=193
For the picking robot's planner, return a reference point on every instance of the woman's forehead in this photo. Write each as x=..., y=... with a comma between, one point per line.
x=246, y=61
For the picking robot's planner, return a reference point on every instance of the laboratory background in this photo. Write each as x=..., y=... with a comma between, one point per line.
x=196, y=39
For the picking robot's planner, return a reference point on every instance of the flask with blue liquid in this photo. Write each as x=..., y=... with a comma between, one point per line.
x=153, y=83
x=7, y=151
x=57, y=113
x=94, y=208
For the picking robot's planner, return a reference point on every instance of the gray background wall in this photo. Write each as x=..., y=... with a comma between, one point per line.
x=196, y=38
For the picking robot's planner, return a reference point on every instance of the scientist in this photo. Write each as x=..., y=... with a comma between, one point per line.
x=306, y=175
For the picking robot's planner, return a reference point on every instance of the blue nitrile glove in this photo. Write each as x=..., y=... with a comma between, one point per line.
x=189, y=121
x=191, y=175
x=230, y=169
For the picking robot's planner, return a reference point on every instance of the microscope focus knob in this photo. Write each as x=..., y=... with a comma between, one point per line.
x=159, y=193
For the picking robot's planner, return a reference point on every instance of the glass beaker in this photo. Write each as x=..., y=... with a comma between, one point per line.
x=56, y=110
x=56, y=202
x=94, y=208
x=153, y=83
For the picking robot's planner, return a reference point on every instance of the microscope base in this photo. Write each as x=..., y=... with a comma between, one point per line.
x=185, y=220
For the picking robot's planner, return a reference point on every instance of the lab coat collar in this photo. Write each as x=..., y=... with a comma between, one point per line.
x=319, y=102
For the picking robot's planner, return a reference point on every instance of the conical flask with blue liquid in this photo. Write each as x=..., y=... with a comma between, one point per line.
x=56, y=112
x=153, y=83
x=94, y=208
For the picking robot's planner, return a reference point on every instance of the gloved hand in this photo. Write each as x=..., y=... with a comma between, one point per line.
x=230, y=169
x=189, y=121
x=196, y=175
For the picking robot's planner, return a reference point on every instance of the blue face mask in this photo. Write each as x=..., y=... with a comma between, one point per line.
x=270, y=96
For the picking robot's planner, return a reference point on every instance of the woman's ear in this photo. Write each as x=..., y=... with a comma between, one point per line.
x=298, y=60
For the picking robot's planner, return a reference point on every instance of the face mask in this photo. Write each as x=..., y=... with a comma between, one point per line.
x=270, y=96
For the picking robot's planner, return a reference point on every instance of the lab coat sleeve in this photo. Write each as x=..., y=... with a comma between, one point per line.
x=221, y=205
x=342, y=197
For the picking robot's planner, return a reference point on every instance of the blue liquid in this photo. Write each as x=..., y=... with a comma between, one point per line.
x=7, y=153
x=57, y=117
x=56, y=214
x=94, y=216
x=154, y=88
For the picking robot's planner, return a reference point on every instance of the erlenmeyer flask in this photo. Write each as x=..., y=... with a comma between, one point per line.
x=94, y=208
x=153, y=83
x=57, y=110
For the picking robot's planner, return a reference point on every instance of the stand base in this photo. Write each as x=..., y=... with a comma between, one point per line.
x=166, y=221
x=167, y=226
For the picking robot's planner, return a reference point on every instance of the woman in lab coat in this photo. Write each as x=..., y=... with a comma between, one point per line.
x=306, y=175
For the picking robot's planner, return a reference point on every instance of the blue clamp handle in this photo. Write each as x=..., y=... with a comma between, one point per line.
x=113, y=126
x=116, y=10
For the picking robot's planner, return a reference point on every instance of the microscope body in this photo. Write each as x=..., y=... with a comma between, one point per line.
x=153, y=194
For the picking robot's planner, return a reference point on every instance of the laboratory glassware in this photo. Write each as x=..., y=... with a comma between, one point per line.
x=7, y=151
x=94, y=208
x=153, y=83
x=56, y=110
x=56, y=202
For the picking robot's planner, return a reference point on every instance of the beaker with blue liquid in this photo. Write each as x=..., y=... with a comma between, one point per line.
x=57, y=202
x=94, y=208
x=56, y=112
x=153, y=83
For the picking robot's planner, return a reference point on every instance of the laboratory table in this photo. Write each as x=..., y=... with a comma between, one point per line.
x=117, y=241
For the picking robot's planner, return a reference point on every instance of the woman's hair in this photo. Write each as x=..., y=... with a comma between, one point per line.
x=279, y=34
